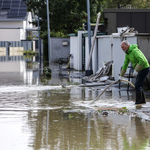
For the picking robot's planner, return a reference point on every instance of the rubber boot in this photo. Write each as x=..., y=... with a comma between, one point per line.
x=138, y=97
x=143, y=97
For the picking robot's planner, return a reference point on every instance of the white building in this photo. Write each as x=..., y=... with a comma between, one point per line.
x=14, y=20
x=15, y=27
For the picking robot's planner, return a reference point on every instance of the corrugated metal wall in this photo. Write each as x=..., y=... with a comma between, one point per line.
x=25, y=44
x=138, y=20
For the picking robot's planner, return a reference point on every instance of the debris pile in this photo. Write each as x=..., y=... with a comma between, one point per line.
x=102, y=74
x=127, y=31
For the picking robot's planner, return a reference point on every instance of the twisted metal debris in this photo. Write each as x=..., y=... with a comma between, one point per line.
x=104, y=71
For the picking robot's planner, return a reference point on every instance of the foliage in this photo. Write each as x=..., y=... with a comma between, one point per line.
x=70, y=116
x=44, y=36
x=132, y=145
x=124, y=3
x=29, y=53
x=141, y=3
x=99, y=110
x=31, y=37
x=123, y=110
x=45, y=81
x=58, y=34
x=66, y=16
x=45, y=48
x=47, y=72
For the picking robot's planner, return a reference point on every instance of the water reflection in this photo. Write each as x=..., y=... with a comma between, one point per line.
x=88, y=132
x=31, y=77
x=34, y=116
x=47, y=127
x=43, y=128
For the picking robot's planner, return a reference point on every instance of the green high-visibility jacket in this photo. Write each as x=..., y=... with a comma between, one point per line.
x=136, y=57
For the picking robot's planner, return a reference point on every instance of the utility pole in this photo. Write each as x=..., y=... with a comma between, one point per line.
x=39, y=45
x=89, y=70
x=48, y=30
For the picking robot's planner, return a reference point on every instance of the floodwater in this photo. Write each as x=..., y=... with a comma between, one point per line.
x=40, y=114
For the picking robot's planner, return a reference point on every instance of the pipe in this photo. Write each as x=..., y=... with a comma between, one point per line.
x=95, y=32
x=110, y=86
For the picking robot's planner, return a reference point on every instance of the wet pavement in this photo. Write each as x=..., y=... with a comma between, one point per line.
x=55, y=114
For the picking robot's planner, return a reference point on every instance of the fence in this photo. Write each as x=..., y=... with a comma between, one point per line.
x=12, y=50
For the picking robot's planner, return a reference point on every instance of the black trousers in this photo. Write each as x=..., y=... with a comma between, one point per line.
x=140, y=79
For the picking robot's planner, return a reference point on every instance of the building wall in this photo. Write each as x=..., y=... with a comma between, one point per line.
x=77, y=51
x=112, y=22
x=11, y=25
x=12, y=66
x=109, y=48
x=15, y=48
x=24, y=30
x=133, y=18
x=58, y=50
x=73, y=51
x=15, y=29
x=144, y=45
x=94, y=59
x=2, y=51
x=119, y=55
x=22, y=34
x=104, y=50
x=25, y=44
x=10, y=34
x=29, y=18
x=94, y=56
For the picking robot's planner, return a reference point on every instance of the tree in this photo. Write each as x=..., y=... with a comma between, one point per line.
x=133, y=3
x=65, y=15
x=141, y=3
x=68, y=15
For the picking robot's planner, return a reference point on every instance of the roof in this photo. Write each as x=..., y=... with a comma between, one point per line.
x=12, y=10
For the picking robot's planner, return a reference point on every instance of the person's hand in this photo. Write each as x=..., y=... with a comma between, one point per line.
x=135, y=73
x=120, y=78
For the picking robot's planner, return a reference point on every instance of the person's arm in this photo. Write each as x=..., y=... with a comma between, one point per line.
x=125, y=66
x=141, y=60
x=138, y=68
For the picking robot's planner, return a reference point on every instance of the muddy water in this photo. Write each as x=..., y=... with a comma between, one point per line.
x=44, y=116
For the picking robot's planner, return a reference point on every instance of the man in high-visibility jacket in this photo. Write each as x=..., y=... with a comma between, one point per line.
x=140, y=65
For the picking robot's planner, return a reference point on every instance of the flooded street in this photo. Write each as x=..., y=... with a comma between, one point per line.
x=55, y=114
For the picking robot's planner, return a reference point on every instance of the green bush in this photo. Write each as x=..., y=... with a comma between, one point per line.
x=47, y=71
x=29, y=54
x=58, y=34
